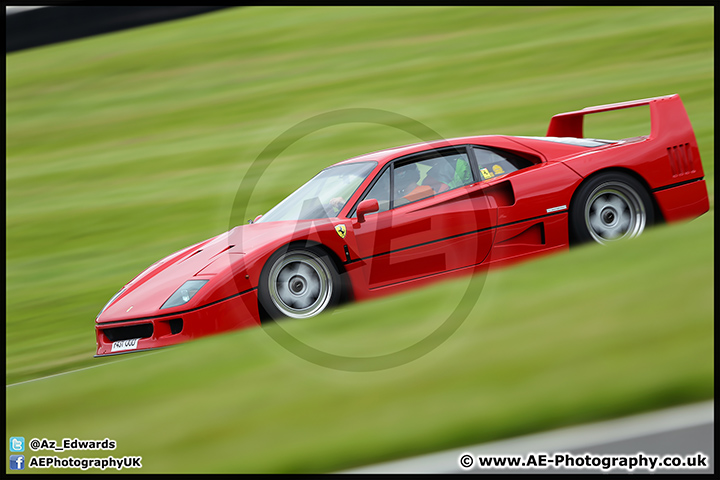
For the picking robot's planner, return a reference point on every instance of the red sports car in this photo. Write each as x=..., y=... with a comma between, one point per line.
x=402, y=217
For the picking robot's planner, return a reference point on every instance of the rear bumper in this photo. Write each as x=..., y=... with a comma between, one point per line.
x=125, y=336
x=684, y=201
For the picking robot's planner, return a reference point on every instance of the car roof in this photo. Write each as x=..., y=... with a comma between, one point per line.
x=384, y=156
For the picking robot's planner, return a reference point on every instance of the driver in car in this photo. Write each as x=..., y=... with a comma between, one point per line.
x=406, y=185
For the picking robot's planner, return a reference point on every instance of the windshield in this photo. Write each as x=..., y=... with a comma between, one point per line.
x=323, y=196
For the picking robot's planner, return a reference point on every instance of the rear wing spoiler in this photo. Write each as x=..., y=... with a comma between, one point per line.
x=667, y=115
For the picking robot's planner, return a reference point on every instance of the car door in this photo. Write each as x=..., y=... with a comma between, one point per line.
x=440, y=221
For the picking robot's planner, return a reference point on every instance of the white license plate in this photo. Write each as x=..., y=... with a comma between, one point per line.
x=122, y=345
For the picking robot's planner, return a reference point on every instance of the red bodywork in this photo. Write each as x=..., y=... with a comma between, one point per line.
x=489, y=222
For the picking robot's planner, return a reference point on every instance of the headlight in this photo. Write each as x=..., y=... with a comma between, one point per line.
x=114, y=297
x=183, y=294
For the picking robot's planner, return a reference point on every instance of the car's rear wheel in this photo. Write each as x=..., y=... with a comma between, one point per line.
x=610, y=207
x=298, y=283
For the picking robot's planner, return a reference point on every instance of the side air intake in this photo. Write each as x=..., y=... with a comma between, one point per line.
x=681, y=160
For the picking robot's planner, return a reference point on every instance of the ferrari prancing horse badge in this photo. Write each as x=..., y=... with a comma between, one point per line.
x=341, y=230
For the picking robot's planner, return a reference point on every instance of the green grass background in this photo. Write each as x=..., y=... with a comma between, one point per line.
x=126, y=147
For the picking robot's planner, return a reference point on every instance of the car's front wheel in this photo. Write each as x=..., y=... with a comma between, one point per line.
x=298, y=283
x=609, y=207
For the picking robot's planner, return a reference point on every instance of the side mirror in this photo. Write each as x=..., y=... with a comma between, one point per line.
x=365, y=207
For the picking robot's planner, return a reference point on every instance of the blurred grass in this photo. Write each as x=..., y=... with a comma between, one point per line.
x=603, y=335
x=126, y=147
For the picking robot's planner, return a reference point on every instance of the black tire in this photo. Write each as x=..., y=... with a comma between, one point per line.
x=298, y=282
x=609, y=207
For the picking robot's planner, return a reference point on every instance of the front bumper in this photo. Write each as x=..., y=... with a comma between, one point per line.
x=125, y=336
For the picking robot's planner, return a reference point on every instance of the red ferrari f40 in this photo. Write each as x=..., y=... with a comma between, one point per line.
x=406, y=216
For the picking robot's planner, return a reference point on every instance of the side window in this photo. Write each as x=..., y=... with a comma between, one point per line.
x=460, y=168
x=430, y=176
x=493, y=164
x=408, y=185
x=381, y=191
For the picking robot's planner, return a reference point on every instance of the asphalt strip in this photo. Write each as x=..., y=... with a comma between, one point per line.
x=565, y=439
x=79, y=370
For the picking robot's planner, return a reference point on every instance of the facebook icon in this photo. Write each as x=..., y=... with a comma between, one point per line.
x=17, y=462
